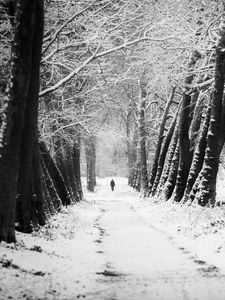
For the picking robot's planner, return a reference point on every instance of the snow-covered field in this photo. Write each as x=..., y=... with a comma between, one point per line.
x=115, y=245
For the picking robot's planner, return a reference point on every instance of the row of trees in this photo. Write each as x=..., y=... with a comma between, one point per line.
x=41, y=131
x=187, y=154
x=33, y=186
x=150, y=70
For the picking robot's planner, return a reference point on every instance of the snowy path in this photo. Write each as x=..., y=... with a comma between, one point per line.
x=142, y=261
x=107, y=248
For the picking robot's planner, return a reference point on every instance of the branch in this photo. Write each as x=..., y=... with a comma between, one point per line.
x=64, y=47
x=204, y=84
x=67, y=78
x=64, y=25
x=127, y=44
x=59, y=65
x=97, y=55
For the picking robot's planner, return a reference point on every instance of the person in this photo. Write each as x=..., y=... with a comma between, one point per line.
x=112, y=184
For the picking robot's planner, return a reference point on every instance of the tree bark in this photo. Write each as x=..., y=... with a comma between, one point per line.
x=26, y=191
x=61, y=164
x=196, y=120
x=90, y=153
x=55, y=174
x=164, y=151
x=14, y=116
x=155, y=165
x=132, y=160
x=131, y=136
x=172, y=176
x=198, y=157
x=69, y=161
x=171, y=154
x=215, y=140
x=41, y=214
x=76, y=164
x=141, y=147
x=54, y=201
x=184, y=142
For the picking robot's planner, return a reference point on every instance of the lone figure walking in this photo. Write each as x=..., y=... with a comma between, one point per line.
x=112, y=184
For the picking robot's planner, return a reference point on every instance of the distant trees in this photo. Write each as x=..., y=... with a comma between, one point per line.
x=76, y=66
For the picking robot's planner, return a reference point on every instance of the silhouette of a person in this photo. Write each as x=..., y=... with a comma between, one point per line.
x=112, y=184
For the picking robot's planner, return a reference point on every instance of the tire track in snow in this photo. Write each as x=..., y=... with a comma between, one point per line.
x=108, y=273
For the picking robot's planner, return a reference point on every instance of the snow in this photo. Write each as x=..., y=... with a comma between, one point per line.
x=115, y=245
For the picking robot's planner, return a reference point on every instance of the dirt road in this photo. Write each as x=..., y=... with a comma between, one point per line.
x=106, y=249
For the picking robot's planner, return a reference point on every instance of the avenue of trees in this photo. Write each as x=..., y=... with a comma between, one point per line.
x=186, y=159
x=150, y=73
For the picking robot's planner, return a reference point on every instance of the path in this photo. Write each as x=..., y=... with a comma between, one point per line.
x=142, y=262
x=109, y=251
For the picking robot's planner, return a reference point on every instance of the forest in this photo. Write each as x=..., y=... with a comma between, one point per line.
x=146, y=77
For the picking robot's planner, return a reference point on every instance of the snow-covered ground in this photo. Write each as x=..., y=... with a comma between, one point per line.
x=115, y=245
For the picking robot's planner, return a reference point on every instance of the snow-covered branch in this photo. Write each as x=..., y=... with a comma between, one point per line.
x=100, y=54
x=65, y=24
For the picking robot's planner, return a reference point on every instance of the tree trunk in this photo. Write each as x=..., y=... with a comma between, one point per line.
x=172, y=176
x=171, y=155
x=132, y=160
x=25, y=186
x=155, y=166
x=29, y=204
x=69, y=160
x=215, y=140
x=55, y=174
x=13, y=122
x=164, y=151
x=90, y=153
x=61, y=164
x=131, y=145
x=41, y=214
x=196, y=119
x=76, y=164
x=198, y=157
x=184, y=142
x=141, y=148
x=54, y=200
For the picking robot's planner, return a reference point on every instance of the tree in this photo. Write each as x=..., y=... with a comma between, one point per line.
x=90, y=153
x=157, y=165
x=90, y=69
x=215, y=135
x=55, y=174
x=193, y=162
x=185, y=156
x=26, y=46
x=160, y=154
x=141, y=146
